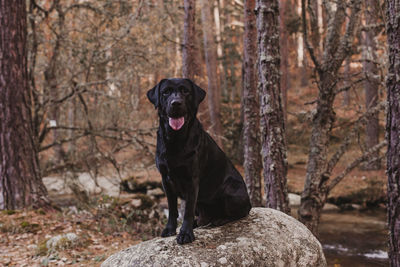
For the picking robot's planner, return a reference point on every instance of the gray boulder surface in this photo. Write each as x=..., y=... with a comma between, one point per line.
x=266, y=237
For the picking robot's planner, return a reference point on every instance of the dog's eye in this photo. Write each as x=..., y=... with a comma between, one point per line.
x=185, y=90
x=165, y=93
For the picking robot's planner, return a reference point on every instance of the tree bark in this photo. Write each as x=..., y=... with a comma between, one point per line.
x=393, y=129
x=371, y=84
x=189, y=40
x=272, y=122
x=284, y=44
x=251, y=107
x=20, y=182
x=211, y=65
x=191, y=60
x=314, y=195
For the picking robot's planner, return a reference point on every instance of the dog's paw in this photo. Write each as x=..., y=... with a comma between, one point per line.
x=168, y=232
x=185, y=236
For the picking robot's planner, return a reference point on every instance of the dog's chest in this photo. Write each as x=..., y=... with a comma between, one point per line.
x=179, y=178
x=177, y=165
x=178, y=169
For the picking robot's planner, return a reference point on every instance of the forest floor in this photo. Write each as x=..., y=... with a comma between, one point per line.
x=100, y=231
x=107, y=225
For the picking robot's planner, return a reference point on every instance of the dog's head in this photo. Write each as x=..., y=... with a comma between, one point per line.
x=177, y=100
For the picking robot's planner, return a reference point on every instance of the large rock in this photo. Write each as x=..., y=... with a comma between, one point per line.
x=294, y=200
x=265, y=238
x=59, y=185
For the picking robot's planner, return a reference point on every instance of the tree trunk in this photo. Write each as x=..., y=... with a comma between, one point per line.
x=211, y=65
x=393, y=129
x=272, y=123
x=301, y=58
x=189, y=40
x=284, y=44
x=220, y=51
x=314, y=195
x=346, y=77
x=337, y=48
x=51, y=84
x=251, y=107
x=371, y=85
x=20, y=182
x=225, y=20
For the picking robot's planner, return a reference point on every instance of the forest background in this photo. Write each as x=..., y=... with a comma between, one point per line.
x=90, y=64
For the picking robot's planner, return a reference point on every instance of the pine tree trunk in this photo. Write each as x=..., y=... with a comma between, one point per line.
x=211, y=65
x=284, y=44
x=189, y=40
x=393, y=129
x=251, y=107
x=371, y=85
x=272, y=122
x=20, y=182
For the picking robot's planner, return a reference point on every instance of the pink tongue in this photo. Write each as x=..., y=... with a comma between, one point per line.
x=176, y=123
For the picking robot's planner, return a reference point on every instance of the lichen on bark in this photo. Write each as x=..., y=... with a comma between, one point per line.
x=271, y=113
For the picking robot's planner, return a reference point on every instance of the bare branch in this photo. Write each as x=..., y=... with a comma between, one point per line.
x=132, y=20
x=75, y=91
x=172, y=41
x=84, y=6
x=347, y=39
x=332, y=39
x=306, y=41
x=346, y=142
x=328, y=8
x=63, y=141
x=347, y=87
x=41, y=9
x=354, y=164
x=311, y=102
x=313, y=17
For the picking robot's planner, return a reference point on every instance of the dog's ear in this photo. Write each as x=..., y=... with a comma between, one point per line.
x=198, y=93
x=154, y=94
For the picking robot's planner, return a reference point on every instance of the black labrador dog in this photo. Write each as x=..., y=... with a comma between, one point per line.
x=192, y=165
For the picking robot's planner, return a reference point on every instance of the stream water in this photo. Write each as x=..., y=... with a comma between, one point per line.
x=353, y=238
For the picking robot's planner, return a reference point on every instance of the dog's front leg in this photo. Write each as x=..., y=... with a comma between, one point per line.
x=186, y=234
x=170, y=228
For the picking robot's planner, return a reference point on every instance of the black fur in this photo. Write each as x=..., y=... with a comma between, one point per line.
x=191, y=164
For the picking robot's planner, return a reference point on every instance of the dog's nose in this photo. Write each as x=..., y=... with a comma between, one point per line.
x=176, y=102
